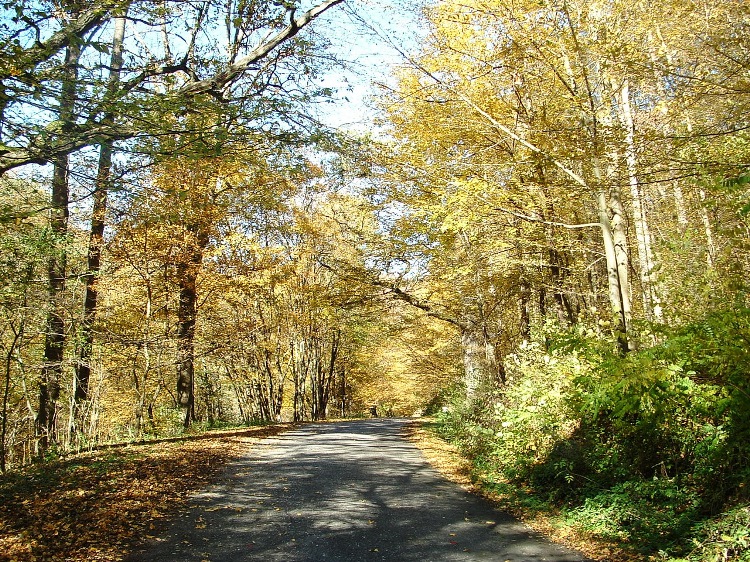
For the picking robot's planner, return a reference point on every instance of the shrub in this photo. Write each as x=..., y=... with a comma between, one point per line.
x=647, y=447
x=515, y=426
x=649, y=513
x=722, y=538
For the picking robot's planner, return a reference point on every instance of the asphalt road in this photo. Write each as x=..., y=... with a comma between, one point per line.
x=349, y=491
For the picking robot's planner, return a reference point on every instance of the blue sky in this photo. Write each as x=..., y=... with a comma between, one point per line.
x=369, y=50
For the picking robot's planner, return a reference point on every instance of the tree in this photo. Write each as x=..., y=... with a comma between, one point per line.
x=24, y=252
x=130, y=106
x=30, y=57
x=185, y=205
x=98, y=216
x=49, y=387
x=511, y=115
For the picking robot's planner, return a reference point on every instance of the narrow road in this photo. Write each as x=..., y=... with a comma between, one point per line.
x=349, y=491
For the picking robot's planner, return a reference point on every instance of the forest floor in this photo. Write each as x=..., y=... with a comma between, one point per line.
x=451, y=464
x=100, y=505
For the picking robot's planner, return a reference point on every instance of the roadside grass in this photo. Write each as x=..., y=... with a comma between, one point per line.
x=98, y=506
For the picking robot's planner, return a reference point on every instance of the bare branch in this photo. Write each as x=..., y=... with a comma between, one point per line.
x=551, y=223
x=357, y=275
x=401, y=295
x=233, y=71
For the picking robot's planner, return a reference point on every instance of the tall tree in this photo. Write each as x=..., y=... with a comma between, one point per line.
x=54, y=349
x=98, y=216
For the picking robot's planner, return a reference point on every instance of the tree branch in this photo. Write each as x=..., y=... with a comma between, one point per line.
x=401, y=295
x=398, y=293
x=233, y=71
x=78, y=27
x=44, y=146
x=494, y=122
x=551, y=223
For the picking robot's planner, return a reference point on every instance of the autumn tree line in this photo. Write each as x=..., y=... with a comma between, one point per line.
x=544, y=240
x=568, y=182
x=165, y=203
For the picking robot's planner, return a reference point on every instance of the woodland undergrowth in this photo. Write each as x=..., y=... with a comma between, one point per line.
x=649, y=451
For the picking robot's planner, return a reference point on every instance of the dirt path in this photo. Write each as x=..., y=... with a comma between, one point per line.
x=346, y=491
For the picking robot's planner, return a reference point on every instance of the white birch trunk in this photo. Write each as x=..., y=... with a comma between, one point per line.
x=650, y=296
x=474, y=355
x=708, y=230
x=618, y=289
x=620, y=240
x=679, y=203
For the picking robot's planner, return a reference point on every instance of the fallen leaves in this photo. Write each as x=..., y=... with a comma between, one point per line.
x=99, y=506
x=440, y=454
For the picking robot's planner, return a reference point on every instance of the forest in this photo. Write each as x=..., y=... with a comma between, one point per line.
x=540, y=240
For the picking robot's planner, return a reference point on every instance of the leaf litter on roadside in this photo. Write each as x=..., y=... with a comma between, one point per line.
x=99, y=506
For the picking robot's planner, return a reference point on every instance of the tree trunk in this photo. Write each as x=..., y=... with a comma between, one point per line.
x=279, y=397
x=54, y=344
x=679, y=203
x=617, y=289
x=619, y=235
x=708, y=231
x=473, y=349
x=187, y=275
x=300, y=366
x=186, y=316
x=331, y=374
x=96, y=234
x=342, y=396
x=565, y=314
x=524, y=305
x=17, y=334
x=651, y=299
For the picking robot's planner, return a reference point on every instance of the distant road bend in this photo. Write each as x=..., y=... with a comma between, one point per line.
x=348, y=491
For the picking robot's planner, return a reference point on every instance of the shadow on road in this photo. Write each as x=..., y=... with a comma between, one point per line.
x=344, y=491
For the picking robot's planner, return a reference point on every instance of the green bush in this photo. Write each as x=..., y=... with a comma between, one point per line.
x=513, y=428
x=647, y=448
x=648, y=513
x=681, y=408
x=725, y=537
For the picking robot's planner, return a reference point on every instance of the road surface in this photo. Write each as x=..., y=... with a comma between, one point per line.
x=343, y=492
